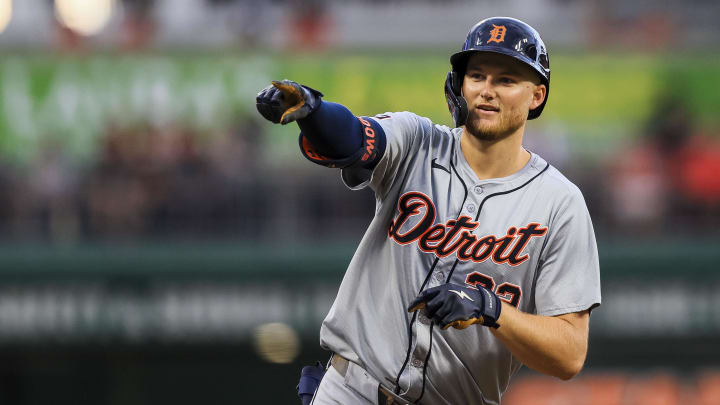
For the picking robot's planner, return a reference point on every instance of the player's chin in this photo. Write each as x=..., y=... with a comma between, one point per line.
x=484, y=130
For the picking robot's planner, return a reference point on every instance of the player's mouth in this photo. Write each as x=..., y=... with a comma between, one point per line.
x=487, y=108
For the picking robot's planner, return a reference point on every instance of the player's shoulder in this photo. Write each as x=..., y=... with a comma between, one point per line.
x=406, y=118
x=409, y=123
x=409, y=117
x=563, y=198
x=558, y=186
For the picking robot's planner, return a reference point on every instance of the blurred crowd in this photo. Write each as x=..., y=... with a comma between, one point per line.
x=667, y=180
x=174, y=182
x=144, y=181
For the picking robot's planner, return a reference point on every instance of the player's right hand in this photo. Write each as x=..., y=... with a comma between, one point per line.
x=286, y=101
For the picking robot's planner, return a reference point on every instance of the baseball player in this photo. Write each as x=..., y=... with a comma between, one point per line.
x=481, y=256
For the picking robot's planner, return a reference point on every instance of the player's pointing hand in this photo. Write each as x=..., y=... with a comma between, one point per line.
x=286, y=101
x=458, y=306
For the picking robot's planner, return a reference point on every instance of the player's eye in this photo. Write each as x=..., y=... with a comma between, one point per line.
x=506, y=80
x=477, y=75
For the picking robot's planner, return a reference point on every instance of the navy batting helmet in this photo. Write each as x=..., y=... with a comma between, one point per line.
x=505, y=35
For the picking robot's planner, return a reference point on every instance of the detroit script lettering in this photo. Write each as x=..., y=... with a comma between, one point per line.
x=455, y=235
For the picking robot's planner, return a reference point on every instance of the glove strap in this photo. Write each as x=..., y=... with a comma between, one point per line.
x=491, y=308
x=313, y=101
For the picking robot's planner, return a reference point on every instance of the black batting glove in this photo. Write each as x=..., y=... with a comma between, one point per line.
x=286, y=101
x=458, y=306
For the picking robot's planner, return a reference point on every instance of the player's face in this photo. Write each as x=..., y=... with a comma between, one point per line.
x=500, y=91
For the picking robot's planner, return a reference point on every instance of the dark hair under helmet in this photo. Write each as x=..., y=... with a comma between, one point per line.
x=504, y=35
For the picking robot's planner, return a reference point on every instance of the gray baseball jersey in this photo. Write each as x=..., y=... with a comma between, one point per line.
x=527, y=237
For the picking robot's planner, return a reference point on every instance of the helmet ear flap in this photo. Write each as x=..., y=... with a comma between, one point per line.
x=455, y=101
x=456, y=82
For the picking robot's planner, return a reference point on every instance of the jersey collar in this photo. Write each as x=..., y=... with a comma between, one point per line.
x=533, y=167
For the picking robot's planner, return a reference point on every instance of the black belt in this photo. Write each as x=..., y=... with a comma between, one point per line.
x=385, y=397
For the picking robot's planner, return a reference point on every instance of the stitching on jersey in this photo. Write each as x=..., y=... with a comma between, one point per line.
x=409, y=328
x=427, y=358
x=510, y=191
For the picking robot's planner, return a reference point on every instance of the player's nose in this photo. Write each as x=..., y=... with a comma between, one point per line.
x=486, y=89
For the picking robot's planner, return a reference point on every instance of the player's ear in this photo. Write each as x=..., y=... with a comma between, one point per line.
x=538, y=96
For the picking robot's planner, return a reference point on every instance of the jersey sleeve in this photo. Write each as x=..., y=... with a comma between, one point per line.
x=569, y=271
x=403, y=133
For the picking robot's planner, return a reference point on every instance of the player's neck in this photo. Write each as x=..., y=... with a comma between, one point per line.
x=490, y=160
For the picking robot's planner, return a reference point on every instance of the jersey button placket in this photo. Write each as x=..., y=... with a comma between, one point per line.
x=412, y=377
x=478, y=189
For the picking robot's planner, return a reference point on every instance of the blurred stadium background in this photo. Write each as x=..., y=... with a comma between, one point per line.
x=160, y=243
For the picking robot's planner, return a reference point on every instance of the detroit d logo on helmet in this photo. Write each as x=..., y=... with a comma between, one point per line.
x=497, y=34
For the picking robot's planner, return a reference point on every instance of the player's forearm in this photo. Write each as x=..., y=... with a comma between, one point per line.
x=550, y=345
x=333, y=130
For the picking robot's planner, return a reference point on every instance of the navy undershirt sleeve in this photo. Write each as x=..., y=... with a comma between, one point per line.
x=333, y=130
